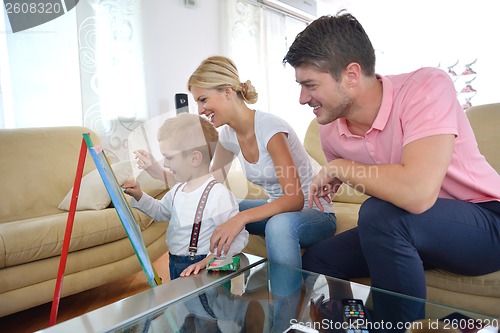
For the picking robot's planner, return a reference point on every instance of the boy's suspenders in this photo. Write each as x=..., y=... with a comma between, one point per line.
x=193, y=243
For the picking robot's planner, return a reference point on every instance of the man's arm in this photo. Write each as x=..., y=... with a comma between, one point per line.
x=413, y=185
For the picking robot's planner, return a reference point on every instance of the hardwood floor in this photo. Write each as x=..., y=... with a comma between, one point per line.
x=37, y=318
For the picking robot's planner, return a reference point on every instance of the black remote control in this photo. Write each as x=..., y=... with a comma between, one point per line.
x=355, y=319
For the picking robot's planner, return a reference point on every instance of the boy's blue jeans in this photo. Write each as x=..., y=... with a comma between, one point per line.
x=286, y=234
x=177, y=264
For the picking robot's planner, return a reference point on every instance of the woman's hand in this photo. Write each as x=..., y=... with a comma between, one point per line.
x=197, y=267
x=148, y=163
x=224, y=234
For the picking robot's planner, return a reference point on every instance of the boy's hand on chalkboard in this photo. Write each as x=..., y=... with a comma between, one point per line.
x=131, y=187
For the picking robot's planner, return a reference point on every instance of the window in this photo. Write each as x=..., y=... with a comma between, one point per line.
x=257, y=39
x=39, y=74
x=82, y=68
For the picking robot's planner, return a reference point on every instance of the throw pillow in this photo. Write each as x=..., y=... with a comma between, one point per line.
x=93, y=194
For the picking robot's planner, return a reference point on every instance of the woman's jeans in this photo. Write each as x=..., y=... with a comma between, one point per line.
x=394, y=247
x=286, y=234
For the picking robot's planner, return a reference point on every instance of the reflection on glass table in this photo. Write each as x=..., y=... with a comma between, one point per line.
x=263, y=297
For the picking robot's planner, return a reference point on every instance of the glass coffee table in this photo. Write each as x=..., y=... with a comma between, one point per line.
x=260, y=297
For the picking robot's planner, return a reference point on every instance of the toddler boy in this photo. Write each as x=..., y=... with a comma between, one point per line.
x=196, y=204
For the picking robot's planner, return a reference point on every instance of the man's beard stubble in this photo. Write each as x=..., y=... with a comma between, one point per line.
x=342, y=110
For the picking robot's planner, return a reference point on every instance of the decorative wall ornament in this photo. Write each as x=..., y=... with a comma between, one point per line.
x=451, y=71
x=247, y=21
x=463, y=82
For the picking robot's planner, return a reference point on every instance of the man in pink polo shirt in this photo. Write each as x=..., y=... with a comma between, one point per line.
x=405, y=141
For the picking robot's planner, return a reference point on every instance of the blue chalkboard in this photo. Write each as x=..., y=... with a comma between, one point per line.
x=123, y=209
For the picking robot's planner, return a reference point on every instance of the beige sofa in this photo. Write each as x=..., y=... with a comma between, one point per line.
x=480, y=293
x=38, y=168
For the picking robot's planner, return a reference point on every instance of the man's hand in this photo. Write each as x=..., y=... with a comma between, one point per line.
x=322, y=186
x=225, y=234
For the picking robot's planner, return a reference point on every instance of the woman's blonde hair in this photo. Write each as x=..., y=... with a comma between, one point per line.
x=190, y=132
x=218, y=72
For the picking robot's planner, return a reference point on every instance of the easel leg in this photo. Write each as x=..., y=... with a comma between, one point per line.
x=67, y=235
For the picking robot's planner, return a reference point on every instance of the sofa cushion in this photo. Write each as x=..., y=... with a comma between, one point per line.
x=485, y=122
x=93, y=194
x=42, y=237
x=312, y=143
x=345, y=193
x=242, y=188
x=39, y=166
x=346, y=215
x=84, y=270
x=484, y=285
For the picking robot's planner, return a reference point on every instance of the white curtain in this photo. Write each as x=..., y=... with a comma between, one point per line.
x=257, y=39
x=84, y=67
x=112, y=71
x=39, y=74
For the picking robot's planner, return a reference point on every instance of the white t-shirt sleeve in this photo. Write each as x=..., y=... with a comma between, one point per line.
x=158, y=210
x=228, y=140
x=269, y=125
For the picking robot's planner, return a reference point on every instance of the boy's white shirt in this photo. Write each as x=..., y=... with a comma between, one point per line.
x=221, y=205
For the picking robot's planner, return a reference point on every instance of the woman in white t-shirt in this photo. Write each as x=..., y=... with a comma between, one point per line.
x=271, y=156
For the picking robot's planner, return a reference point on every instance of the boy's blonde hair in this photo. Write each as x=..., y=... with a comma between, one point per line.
x=218, y=72
x=188, y=132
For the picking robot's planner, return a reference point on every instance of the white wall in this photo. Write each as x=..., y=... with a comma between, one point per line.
x=39, y=74
x=408, y=35
x=176, y=40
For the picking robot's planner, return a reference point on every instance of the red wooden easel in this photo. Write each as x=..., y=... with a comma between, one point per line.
x=122, y=208
x=67, y=234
